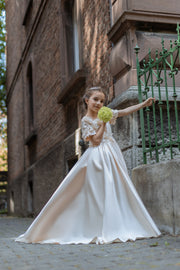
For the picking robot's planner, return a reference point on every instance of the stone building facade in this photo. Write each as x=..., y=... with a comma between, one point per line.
x=55, y=49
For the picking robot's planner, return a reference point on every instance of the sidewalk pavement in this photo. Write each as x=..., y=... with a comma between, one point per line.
x=161, y=253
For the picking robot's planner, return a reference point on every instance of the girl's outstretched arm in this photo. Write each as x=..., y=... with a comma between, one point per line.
x=148, y=102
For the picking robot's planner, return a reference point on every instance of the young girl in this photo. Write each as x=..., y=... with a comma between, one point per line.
x=96, y=202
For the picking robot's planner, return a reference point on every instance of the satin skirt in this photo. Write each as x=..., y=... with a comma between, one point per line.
x=96, y=203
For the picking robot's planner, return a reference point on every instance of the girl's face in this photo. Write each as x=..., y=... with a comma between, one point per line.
x=95, y=102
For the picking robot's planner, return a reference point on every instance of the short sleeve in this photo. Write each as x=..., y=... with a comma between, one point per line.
x=115, y=116
x=87, y=128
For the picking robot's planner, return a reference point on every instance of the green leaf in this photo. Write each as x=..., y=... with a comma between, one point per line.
x=154, y=244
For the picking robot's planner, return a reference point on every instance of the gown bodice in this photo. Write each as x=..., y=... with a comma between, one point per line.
x=89, y=127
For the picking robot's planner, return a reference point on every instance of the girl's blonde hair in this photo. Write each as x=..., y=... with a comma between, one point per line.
x=90, y=91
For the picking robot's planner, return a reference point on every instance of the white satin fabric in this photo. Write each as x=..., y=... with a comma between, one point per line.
x=96, y=202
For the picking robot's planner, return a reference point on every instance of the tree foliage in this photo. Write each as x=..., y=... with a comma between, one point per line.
x=2, y=58
x=3, y=109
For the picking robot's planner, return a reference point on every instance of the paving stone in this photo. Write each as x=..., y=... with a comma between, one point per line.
x=161, y=253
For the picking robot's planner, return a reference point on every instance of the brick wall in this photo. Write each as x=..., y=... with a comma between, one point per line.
x=39, y=42
x=39, y=156
x=96, y=44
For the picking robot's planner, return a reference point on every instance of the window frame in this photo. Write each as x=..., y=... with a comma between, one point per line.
x=72, y=80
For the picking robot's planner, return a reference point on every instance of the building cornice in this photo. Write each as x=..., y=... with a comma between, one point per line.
x=133, y=17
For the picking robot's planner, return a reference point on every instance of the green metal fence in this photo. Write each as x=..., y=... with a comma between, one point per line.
x=160, y=123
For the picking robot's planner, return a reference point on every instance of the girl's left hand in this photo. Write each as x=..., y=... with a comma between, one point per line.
x=148, y=102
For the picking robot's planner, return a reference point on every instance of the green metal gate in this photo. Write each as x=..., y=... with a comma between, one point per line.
x=160, y=123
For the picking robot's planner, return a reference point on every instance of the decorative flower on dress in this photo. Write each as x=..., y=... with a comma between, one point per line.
x=105, y=114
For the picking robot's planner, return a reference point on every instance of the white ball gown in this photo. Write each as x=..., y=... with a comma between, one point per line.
x=96, y=202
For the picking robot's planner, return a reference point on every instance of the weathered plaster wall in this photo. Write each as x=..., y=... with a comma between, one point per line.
x=159, y=187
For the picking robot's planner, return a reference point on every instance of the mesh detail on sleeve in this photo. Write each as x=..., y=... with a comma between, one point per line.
x=115, y=116
x=87, y=128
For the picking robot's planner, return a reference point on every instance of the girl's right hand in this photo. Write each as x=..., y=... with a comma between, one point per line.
x=148, y=102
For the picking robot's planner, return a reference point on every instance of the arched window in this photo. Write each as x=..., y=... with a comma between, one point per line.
x=30, y=97
x=28, y=11
x=30, y=129
x=30, y=193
